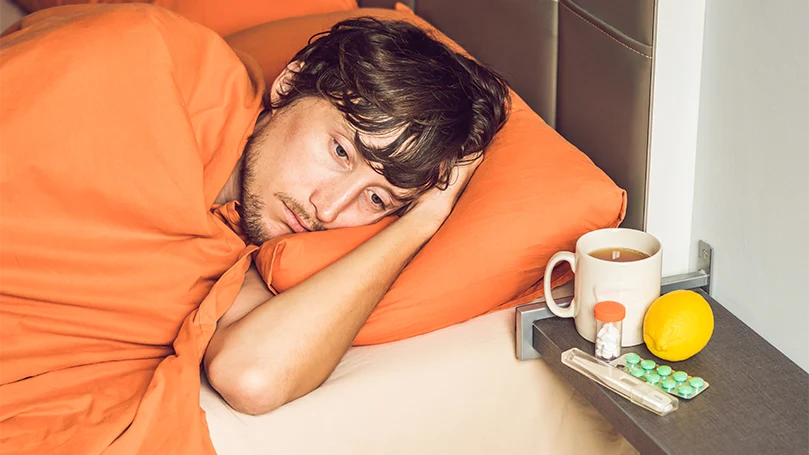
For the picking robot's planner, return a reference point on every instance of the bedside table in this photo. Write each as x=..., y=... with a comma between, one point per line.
x=757, y=403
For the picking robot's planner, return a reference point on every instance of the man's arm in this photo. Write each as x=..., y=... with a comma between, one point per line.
x=284, y=348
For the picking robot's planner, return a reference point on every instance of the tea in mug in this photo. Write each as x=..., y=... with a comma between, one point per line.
x=618, y=254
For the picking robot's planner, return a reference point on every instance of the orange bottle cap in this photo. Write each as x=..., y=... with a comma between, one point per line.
x=609, y=311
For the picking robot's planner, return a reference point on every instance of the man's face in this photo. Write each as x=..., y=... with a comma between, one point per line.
x=302, y=172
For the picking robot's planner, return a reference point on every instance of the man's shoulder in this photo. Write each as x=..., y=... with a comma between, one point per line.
x=116, y=27
x=131, y=42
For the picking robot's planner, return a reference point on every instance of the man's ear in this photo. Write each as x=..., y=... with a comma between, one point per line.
x=282, y=83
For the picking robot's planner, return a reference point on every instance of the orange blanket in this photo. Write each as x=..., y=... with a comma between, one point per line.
x=119, y=125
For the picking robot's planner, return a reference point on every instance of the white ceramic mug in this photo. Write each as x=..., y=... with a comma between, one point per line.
x=634, y=284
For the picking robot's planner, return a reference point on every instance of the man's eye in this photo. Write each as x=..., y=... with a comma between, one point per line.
x=340, y=151
x=377, y=200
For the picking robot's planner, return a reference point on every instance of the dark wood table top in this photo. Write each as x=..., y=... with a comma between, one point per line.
x=757, y=402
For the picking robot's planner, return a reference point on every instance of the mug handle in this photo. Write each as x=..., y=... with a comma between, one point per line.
x=568, y=312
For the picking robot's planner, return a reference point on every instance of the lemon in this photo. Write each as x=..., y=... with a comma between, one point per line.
x=678, y=325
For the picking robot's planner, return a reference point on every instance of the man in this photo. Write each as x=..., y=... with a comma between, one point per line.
x=366, y=120
x=122, y=127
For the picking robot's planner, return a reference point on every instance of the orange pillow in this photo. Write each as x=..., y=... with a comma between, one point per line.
x=533, y=195
x=222, y=16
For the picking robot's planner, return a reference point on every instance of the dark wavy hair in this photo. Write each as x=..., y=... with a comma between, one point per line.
x=391, y=77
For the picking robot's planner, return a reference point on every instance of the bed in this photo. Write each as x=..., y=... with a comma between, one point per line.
x=456, y=390
x=461, y=389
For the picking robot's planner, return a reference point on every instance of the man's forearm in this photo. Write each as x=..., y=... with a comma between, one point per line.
x=286, y=347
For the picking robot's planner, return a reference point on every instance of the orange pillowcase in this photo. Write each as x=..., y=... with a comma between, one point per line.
x=222, y=16
x=533, y=195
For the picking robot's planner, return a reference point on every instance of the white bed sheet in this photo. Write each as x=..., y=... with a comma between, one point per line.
x=456, y=390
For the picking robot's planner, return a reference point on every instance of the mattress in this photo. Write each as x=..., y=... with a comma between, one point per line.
x=456, y=390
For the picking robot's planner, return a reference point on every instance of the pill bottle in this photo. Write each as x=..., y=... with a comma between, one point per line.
x=609, y=317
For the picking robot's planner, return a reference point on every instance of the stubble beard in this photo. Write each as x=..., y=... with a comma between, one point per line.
x=252, y=205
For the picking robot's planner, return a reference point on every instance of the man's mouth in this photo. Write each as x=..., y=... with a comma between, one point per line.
x=293, y=221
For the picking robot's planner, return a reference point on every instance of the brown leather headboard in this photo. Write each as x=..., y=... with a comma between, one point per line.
x=585, y=66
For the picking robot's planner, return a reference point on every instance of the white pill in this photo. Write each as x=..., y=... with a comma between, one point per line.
x=609, y=338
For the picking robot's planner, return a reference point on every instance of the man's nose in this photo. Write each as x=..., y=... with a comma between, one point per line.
x=333, y=197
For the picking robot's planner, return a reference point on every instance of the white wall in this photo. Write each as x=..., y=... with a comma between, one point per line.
x=673, y=145
x=751, y=197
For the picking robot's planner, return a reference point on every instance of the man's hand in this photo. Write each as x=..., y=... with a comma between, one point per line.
x=435, y=205
x=266, y=354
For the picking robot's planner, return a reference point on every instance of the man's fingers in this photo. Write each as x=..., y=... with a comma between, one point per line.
x=466, y=170
x=461, y=173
